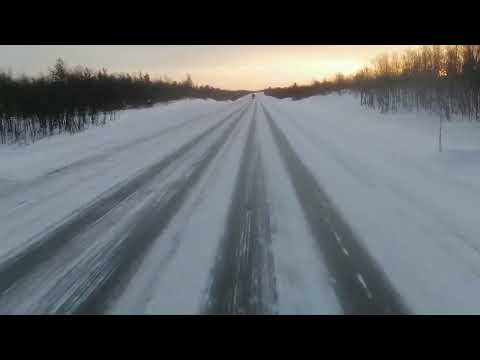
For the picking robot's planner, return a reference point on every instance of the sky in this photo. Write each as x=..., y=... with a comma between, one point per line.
x=249, y=67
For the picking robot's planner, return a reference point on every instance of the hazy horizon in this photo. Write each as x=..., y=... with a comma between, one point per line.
x=235, y=67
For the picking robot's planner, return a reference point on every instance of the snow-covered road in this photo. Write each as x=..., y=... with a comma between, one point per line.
x=245, y=207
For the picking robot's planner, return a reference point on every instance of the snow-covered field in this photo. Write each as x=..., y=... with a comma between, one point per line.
x=156, y=200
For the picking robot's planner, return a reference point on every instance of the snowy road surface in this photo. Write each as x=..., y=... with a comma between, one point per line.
x=245, y=207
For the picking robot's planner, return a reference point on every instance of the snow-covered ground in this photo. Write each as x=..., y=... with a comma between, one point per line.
x=44, y=183
x=416, y=210
x=132, y=126
x=303, y=282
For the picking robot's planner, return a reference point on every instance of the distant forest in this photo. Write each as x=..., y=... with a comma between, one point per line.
x=440, y=79
x=72, y=99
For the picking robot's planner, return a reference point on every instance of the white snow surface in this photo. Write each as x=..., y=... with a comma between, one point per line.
x=174, y=276
x=415, y=209
x=23, y=162
x=32, y=200
x=304, y=285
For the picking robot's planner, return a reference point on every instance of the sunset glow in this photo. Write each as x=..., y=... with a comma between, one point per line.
x=251, y=67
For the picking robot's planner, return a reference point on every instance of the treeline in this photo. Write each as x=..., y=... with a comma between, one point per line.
x=297, y=92
x=72, y=99
x=440, y=79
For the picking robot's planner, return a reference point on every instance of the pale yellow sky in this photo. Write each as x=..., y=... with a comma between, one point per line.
x=250, y=67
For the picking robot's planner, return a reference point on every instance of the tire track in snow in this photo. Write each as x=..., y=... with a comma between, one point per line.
x=170, y=130
x=360, y=284
x=150, y=289
x=139, y=239
x=141, y=236
x=243, y=275
x=97, y=158
x=41, y=248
